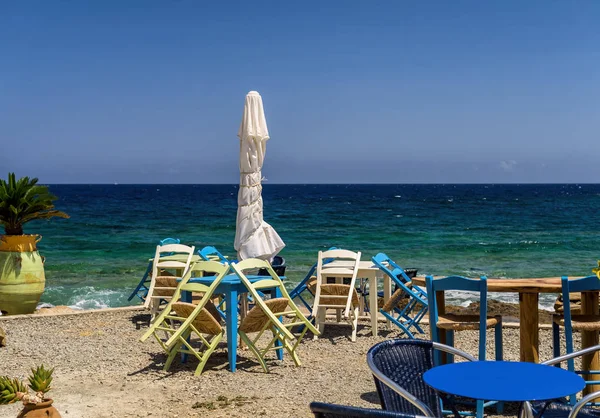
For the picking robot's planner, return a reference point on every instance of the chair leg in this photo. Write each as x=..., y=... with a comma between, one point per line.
x=207, y=353
x=498, y=342
x=479, y=413
x=253, y=348
x=450, y=342
x=320, y=321
x=354, y=324
x=338, y=315
x=556, y=340
x=171, y=357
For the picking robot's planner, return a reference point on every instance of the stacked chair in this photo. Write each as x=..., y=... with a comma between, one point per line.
x=279, y=315
x=209, y=253
x=180, y=320
x=341, y=297
x=196, y=328
x=171, y=262
x=447, y=324
x=408, y=304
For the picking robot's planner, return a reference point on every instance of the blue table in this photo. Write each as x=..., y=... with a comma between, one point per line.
x=504, y=381
x=231, y=286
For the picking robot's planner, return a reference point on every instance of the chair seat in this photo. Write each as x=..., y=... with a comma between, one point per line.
x=580, y=322
x=465, y=322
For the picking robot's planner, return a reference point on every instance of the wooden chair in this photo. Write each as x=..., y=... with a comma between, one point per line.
x=408, y=304
x=571, y=321
x=454, y=322
x=209, y=252
x=279, y=315
x=170, y=263
x=339, y=296
x=179, y=320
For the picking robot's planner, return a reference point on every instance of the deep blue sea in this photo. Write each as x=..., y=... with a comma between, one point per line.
x=95, y=258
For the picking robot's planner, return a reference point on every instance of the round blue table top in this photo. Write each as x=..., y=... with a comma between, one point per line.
x=504, y=381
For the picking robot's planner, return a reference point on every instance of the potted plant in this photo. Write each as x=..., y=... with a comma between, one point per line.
x=22, y=276
x=35, y=404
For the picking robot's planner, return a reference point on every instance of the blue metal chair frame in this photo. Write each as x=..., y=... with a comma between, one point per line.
x=141, y=290
x=327, y=410
x=411, y=314
x=465, y=284
x=584, y=284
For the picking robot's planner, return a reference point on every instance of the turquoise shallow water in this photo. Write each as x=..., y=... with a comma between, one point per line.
x=95, y=259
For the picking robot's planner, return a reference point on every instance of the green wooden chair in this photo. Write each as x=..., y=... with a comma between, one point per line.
x=279, y=315
x=179, y=320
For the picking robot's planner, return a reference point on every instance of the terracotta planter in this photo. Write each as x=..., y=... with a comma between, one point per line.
x=19, y=243
x=40, y=410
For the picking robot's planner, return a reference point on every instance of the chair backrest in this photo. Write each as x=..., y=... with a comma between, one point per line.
x=464, y=284
x=584, y=284
x=200, y=268
x=327, y=410
x=274, y=282
x=169, y=241
x=398, y=276
x=342, y=264
x=402, y=363
x=207, y=251
x=169, y=257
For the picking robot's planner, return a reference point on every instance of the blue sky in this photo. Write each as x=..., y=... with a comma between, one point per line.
x=384, y=91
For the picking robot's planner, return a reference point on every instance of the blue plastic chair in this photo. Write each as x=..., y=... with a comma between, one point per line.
x=327, y=410
x=410, y=315
x=141, y=290
x=207, y=251
x=451, y=322
x=574, y=322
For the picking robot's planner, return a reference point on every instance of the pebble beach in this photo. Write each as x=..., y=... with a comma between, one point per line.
x=102, y=370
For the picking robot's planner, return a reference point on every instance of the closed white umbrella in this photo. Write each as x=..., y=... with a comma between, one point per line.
x=254, y=238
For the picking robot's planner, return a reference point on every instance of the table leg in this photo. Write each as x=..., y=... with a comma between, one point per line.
x=278, y=343
x=589, y=306
x=529, y=327
x=231, y=300
x=373, y=303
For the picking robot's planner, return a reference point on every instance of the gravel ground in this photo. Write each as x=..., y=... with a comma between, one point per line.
x=102, y=370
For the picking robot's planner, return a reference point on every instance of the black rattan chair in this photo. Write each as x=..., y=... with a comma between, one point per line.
x=398, y=367
x=327, y=410
x=561, y=408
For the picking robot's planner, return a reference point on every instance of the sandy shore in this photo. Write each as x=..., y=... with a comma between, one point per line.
x=102, y=370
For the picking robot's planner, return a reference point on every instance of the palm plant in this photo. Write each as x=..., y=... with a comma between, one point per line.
x=24, y=200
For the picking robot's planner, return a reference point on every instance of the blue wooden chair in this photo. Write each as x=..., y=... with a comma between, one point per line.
x=327, y=410
x=208, y=251
x=141, y=290
x=572, y=322
x=408, y=316
x=448, y=323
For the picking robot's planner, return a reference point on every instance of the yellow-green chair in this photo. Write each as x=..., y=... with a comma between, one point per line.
x=179, y=320
x=278, y=315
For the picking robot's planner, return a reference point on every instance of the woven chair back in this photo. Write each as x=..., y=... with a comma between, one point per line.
x=405, y=362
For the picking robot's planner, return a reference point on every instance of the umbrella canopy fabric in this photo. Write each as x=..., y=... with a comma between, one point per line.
x=254, y=238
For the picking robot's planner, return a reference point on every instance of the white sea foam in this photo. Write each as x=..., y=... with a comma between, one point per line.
x=89, y=297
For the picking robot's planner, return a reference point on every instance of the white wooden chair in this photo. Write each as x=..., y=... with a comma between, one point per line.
x=339, y=296
x=170, y=264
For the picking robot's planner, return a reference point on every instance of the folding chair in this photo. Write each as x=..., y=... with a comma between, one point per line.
x=179, y=321
x=407, y=315
x=170, y=263
x=278, y=315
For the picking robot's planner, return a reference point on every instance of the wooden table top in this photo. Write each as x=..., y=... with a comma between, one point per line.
x=542, y=285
